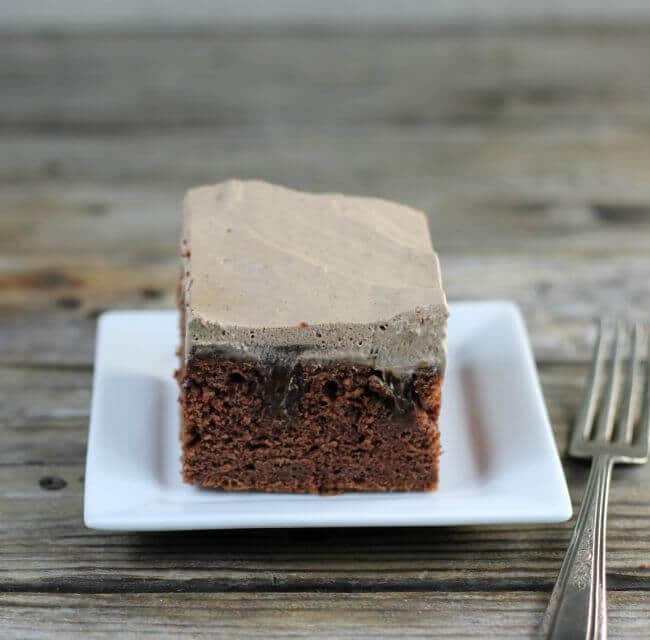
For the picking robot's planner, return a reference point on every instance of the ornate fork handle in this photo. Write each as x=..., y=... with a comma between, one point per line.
x=578, y=605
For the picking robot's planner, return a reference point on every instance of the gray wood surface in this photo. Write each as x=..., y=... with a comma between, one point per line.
x=294, y=615
x=529, y=149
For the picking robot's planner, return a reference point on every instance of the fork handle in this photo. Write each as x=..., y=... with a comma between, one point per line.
x=578, y=605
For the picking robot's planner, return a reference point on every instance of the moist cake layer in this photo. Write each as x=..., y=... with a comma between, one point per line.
x=344, y=427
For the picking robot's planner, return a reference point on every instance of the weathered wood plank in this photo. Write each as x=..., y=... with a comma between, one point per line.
x=517, y=165
x=336, y=616
x=110, y=82
x=43, y=416
x=282, y=615
x=81, y=224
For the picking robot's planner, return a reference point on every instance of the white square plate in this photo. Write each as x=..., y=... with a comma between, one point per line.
x=499, y=465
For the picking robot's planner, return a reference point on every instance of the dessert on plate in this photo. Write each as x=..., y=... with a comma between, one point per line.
x=313, y=342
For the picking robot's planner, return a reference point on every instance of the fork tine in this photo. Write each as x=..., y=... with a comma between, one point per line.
x=605, y=424
x=592, y=392
x=643, y=436
x=628, y=412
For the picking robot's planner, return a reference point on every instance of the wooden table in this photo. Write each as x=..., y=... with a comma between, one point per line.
x=531, y=151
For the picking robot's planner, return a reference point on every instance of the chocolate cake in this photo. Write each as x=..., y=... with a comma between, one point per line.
x=313, y=342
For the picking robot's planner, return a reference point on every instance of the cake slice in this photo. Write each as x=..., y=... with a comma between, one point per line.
x=313, y=342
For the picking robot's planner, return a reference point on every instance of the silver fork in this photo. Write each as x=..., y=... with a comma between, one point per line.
x=613, y=427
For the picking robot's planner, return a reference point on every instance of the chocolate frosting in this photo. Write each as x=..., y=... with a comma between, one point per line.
x=276, y=274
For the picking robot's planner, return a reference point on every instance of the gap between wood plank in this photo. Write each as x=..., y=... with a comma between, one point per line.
x=108, y=585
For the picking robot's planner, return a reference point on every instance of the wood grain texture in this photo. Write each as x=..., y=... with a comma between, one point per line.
x=529, y=149
x=267, y=81
x=297, y=615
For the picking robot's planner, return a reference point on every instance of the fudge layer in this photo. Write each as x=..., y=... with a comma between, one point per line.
x=313, y=342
